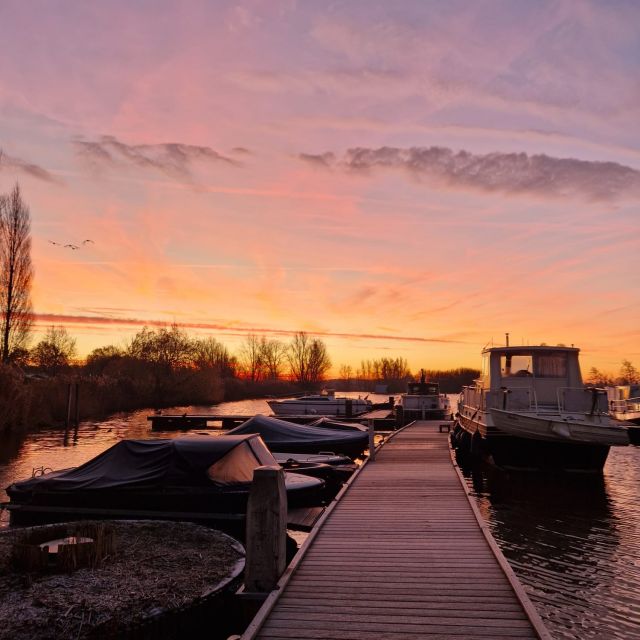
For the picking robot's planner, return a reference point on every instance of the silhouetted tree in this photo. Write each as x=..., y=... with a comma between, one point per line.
x=251, y=358
x=273, y=354
x=628, y=373
x=208, y=353
x=55, y=351
x=319, y=362
x=16, y=273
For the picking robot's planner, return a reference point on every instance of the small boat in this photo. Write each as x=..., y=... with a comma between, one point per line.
x=624, y=402
x=283, y=436
x=530, y=409
x=342, y=465
x=423, y=401
x=328, y=423
x=193, y=478
x=323, y=404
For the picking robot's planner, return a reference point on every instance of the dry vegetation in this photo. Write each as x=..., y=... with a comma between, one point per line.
x=158, y=567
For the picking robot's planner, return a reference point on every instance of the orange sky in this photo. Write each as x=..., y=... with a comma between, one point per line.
x=410, y=181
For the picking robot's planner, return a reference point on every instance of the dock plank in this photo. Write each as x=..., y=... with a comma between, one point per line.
x=402, y=554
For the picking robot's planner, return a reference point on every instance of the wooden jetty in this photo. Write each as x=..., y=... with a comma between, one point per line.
x=402, y=553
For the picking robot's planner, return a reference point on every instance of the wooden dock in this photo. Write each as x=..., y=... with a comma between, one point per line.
x=401, y=554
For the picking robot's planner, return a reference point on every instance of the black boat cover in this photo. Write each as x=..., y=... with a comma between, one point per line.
x=280, y=435
x=167, y=462
x=329, y=423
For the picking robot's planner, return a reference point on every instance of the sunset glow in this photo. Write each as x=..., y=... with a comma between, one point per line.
x=403, y=179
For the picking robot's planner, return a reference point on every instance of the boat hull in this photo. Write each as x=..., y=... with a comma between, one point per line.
x=596, y=430
x=525, y=454
x=319, y=408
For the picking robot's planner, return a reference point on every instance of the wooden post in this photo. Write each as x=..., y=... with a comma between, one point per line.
x=372, y=447
x=348, y=408
x=67, y=423
x=266, y=530
x=77, y=421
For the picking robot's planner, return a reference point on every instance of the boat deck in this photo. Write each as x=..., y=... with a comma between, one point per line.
x=401, y=554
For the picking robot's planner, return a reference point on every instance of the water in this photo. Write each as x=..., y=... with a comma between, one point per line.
x=573, y=542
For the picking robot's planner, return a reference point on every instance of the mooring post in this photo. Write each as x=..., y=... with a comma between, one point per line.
x=77, y=416
x=266, y=530
x=67, y=423
x=372, y=446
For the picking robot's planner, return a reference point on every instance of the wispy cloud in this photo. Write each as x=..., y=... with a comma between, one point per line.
x=27, y=168
x=515, y=173
x=172, y=158
x=229, y=329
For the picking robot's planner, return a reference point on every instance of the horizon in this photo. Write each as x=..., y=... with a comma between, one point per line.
x=410, y=181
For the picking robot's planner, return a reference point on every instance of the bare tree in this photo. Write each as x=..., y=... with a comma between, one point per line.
x=308, y=358
x=298, y=357
x=273, y=354
x=251, y=358
x=319, y=362
x=211, y=354
x=16, y=273
x=55, y=351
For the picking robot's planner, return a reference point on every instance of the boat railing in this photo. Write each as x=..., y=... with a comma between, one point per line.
x=589, y=400
x=626, y=404
x=513, y=399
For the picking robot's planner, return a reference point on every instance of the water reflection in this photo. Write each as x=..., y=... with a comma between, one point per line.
x=573, y=540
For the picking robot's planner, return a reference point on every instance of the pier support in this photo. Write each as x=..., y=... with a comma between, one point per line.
x=266, y=530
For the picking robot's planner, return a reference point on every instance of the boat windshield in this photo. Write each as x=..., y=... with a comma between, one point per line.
x=516, y=365
x=239, y=464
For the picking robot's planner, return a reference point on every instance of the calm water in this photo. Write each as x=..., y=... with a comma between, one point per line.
x=574, y=542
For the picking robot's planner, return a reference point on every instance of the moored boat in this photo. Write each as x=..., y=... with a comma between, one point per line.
x=324, y=404
x=283, y=436
x=530, y=409
x=195, y=478
x=624, y=402
x=423, y=401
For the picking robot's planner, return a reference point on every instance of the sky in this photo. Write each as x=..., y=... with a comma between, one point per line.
x=409, y=179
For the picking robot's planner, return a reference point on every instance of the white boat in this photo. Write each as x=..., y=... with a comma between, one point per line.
x=624, y=402
x=322, y=404
x=531, y=409
x=423, y=401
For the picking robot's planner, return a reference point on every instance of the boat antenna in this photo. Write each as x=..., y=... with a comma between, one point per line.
x=507, y=338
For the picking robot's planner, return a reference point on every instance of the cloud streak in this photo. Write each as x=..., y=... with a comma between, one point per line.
x=172, y=158
x=512, y=173
x=233, y=329
x=27, y=168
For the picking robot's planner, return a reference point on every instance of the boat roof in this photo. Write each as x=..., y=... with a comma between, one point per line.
x=524, y=350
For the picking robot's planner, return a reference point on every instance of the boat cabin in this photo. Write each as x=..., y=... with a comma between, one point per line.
x=423, y=388
x=540, y=375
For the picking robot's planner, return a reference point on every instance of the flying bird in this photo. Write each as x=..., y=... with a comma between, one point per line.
x=88, y=241
x=72, y=246
x=56, y=243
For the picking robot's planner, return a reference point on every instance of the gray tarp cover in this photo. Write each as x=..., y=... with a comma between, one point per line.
x=278, y=434
x=328, y=423
x=180, y=461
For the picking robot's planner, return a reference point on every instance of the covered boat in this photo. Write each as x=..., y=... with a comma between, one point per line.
x=283, y=436
x=530, y=409
x=194, y=478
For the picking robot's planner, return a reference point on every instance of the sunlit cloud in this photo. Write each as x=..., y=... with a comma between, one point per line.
x=174, y=159
x=514, y=173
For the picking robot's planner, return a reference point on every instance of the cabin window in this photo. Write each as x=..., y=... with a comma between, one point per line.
x=551, y=365
x=512, y=365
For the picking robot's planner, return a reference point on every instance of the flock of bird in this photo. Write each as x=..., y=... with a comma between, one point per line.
x=73, y=247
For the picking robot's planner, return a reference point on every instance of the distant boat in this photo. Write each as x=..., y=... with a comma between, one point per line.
x=530, y=409
x=193, y=478
x=423, y=401
x=322, y=404
x=624, y=402
x=283, y=436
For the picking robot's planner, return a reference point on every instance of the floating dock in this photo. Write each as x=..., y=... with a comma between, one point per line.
x=402, y=553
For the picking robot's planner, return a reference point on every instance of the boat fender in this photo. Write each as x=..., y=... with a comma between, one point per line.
x=561, y=430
